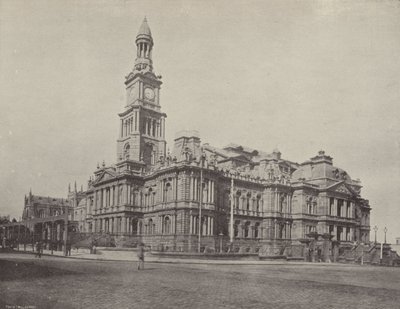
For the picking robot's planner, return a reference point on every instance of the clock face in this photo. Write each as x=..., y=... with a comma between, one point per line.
x=149, y=94
x=132, y=93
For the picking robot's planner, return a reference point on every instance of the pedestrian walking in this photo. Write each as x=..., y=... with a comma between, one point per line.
x=140, y=255
x=38, y=249
x=69, y=249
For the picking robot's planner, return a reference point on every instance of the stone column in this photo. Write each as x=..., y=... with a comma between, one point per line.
x=190, y=224
x=195, y=189
x=112, y=196
x=103, y=224
x=95, y=199
x=190, y=188
x=210, y=189
x=208, y=192
x=351, y=209
x=212, y=226
x=163, y=127
x=151, y=126
x=334, y=232
x=335, y=213
x=116, y=231
x=123, y=225
x=127, y=194
x=287, y=203
x=174, y=197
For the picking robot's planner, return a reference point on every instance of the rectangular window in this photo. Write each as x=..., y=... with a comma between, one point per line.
x=340, y=208
x=331, y=206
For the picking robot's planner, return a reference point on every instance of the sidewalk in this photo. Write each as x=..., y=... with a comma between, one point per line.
x=130, y=255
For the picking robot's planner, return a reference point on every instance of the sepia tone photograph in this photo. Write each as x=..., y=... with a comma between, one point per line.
x=199, y=154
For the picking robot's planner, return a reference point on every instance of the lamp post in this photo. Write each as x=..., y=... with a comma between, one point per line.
x=220, y=242
x=232, y=202
x=385, y=230
x=375, y=230
x=201, y=198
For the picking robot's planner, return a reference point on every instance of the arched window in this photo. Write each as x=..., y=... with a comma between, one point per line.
x=133, y=196
x=248, y=196
x=150, y=197
x=167, y=225
x=256, y=229
x=236, y=228
x=246, y=229
x=168, y=192
x=237, y=200
x=154, y=128
x=140, y=227
x=134, y=226
x=150, y=226
x=281, y=202
x=258, y=202
x=227, y=199
x=311, y=205
x=205, y=191
x=126, y=151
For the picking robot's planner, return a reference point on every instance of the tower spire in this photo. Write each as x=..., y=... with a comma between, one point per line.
x=144, y=45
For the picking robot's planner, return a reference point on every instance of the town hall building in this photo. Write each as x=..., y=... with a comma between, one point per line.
x=246, y=198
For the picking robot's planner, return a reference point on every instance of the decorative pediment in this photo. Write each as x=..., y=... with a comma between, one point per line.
x=343, y=188
x=104, y=177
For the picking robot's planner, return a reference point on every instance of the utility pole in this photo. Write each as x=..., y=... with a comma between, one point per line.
x=232, y=202
x=385, y=231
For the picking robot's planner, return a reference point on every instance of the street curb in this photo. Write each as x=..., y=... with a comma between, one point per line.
x=196, y=262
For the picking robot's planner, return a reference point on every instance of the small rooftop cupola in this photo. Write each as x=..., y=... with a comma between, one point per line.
x=276, y=154
x=144, y=44
x=322, y=157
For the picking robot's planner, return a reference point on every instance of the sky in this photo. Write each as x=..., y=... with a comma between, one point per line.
x=300, y=76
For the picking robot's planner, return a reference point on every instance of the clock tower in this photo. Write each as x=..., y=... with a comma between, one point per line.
x=142, y=124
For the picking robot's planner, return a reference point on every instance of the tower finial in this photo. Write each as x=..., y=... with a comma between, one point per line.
x=144, y=44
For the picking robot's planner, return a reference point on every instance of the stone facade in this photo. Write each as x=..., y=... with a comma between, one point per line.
x=158, y=196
